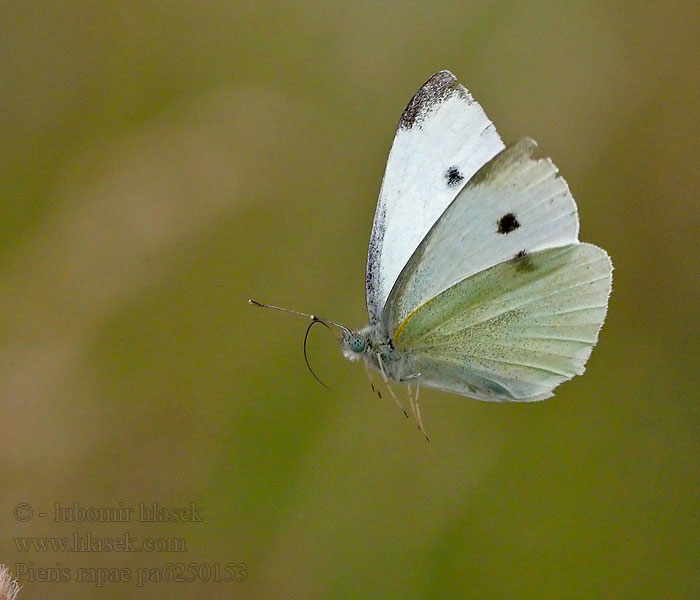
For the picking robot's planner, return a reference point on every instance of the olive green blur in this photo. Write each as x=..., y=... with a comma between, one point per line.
x=162, y=162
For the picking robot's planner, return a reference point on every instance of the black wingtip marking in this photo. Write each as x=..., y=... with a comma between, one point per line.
x=453, y=176
x=437, y=89
x=508, y=223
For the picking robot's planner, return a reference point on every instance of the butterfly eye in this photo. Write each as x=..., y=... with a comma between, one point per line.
x=357, y=343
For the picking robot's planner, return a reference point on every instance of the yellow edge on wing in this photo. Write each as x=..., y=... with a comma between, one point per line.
x=400, y=328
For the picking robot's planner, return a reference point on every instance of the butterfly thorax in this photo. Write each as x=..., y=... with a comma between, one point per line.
x=377, y=349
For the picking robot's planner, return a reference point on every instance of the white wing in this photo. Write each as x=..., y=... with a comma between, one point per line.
x=513, y=205
x=514, y=331
x=442, y=139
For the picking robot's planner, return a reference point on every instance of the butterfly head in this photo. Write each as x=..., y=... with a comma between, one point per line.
x=357, y=343
x=354, y=344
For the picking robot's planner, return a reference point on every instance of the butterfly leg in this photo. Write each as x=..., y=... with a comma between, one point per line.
x=415, y=408
x=411, y=403
x=375, y=389
x=386, y=381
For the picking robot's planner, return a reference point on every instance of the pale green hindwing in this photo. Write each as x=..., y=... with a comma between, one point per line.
x=513, y=331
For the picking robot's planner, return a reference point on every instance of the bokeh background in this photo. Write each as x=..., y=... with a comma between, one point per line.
x=162, y=162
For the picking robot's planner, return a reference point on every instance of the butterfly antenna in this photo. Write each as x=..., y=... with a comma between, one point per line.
x=326, y=322
x=314, y=319
x=306, y=358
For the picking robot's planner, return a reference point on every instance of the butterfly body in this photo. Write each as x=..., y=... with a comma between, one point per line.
x=377, y=349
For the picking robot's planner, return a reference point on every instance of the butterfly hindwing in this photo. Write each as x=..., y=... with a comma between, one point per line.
x=513, y=205
x=442, y=139
x=513, y=331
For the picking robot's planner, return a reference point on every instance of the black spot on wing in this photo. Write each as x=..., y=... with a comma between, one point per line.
x=523, y=262
x=508, y=223
x=453, y=176
x=434, y=91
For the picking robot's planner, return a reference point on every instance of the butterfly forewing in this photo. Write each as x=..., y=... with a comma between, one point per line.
x=442, y=139
x=513, y=331
x=514, y=205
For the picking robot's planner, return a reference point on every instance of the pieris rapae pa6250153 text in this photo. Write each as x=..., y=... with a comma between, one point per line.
x=476, y=281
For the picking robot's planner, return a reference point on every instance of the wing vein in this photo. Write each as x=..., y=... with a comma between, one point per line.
x=528, y=366
x=519, y=306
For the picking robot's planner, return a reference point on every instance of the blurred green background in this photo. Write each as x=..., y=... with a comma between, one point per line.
x=162, y=162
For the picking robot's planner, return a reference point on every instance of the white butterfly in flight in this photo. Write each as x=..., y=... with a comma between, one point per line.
x=476, y=281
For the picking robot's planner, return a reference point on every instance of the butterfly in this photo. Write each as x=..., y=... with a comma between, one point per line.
x=476, y=281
